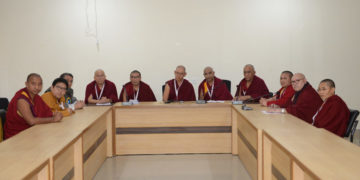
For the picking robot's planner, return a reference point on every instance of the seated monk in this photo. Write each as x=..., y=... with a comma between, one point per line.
x=285, y=93
x=305, y=102
x=55, y=98
x=179, y=89
x=136, y=89
x=27, y=108
x=100, y=90
x=70, y=100
x=213, y=88
x=251, y=87
x=333, y=115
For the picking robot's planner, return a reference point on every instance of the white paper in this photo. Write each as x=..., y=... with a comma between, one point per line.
x=265, y=112
x=212, y=101
x=103, y=104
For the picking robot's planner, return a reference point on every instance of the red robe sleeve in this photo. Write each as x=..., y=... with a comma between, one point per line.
x=284, y=99
x=186, y=91
x=146, y=93
x=111, y=92
x=258, y=89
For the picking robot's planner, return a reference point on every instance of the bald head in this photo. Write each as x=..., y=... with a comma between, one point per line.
x=298, y=81
x=208, y=69
x=99, y=71
x=181, y=67
x=33, y=84
x=250, y=67
x=99, y=77
x=249, y=72
x=209, y=74
x=180, y=73
x=32, y=75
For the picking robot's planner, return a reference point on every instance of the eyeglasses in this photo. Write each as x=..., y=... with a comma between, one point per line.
x=61, y=88
x=134, y=77
x=296, y=81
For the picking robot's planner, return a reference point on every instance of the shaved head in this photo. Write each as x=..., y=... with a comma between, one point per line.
x=249, y=72
x=181, y=67
x=209, y=74
x=180, y=73
x=99, y=77
x=298, y=81
x=250, y=66
x=31, y=75
x=299, y=75
x=99, y=71
x=208, y=69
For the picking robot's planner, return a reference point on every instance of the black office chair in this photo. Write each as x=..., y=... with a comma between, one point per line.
x=163, y=88
x=351, y=128
x=2, y=117
x=228, y=84
x=4, y=102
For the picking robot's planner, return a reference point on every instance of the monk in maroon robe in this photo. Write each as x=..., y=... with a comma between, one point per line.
x=251, y=87
x=282, y=96
x=27, y=108
x=213, y=88
x=136, y=89
x=179, y=89
x=100, y=90
x=305, y=102
x=333, y=115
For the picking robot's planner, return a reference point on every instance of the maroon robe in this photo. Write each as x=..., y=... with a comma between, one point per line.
x=333, y=116
x=256, y=90
x=304, y=103
x=186, y=91
x=220, y=91
x=15, y=123
x=110, y=91
x=145, y=94
x=283, y=96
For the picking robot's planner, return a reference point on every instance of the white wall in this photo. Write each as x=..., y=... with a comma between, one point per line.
x=317, y=37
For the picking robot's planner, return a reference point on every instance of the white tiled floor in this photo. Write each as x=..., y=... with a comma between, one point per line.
x=173, y=167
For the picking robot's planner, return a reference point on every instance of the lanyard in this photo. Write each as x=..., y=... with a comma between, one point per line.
x=177, y=89
x=317, y=112
x=102, y=90
x=212, y=89
x=137, y=94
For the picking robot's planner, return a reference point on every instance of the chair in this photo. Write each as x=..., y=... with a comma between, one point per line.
x=163, y=89
x=2, y=123
x=4, y=102
x=351, y=128
x=228, y=84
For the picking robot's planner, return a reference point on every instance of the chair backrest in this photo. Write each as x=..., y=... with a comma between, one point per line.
x=163, y=89
x=2, y=122
x=353, y=115
x=228, y=84
x=4, y=102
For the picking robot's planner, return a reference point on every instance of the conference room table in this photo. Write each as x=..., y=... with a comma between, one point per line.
x=271, y=146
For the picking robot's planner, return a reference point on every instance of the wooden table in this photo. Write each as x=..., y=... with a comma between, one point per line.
x=74, y=147
x=278, y=146
x=158, y=128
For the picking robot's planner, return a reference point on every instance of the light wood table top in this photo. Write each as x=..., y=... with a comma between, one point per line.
x=29, y=149
x=325, y=154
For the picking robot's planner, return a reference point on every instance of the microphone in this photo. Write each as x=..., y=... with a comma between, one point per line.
x=257, y=98
x=246, y=108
